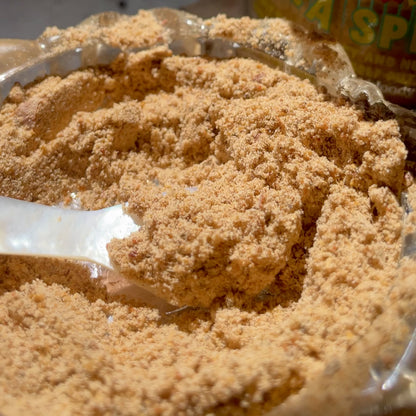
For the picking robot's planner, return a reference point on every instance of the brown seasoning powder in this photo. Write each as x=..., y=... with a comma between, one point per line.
x=271, y=207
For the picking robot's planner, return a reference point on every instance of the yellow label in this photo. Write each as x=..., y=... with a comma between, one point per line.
x=392, y=28
x=321, y=12
x=379, y=35
x=365, y=20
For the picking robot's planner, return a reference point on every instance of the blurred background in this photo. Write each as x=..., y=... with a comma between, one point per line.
x=26, y=19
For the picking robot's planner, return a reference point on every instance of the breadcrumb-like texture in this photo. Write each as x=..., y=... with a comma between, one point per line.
x=224, y=162
x=268, y=208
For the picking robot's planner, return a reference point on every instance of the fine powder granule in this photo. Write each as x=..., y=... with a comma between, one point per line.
x=270, y=210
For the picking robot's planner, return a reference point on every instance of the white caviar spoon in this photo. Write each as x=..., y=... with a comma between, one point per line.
x=31, y=229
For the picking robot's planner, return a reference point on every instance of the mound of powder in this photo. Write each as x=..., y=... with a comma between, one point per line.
x=262, y=201
x=225, y=163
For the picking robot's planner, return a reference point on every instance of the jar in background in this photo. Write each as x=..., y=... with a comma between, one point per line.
x=378, y=35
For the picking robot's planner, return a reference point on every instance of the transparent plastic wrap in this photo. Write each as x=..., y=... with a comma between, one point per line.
x=323, y=62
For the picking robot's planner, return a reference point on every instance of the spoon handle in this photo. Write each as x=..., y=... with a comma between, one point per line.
x=28, y=228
